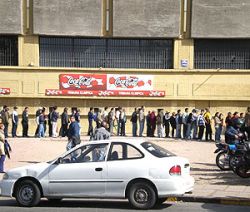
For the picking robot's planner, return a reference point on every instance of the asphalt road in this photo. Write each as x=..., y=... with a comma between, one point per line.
x=9, y=205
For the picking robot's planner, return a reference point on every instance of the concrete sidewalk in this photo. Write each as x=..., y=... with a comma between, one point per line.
x=211, y=184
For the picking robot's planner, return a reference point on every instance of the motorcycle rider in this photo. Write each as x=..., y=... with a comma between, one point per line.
x=232, y=135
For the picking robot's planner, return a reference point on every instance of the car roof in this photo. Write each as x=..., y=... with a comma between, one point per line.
x=120, y=140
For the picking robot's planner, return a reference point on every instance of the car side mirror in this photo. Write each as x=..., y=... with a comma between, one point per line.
x=59, y=160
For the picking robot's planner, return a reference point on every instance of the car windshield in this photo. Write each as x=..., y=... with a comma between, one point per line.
x=156, y=150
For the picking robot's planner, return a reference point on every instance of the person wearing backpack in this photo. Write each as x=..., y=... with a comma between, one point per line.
x=178, y=123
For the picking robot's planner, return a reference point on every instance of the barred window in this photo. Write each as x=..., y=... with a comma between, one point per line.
x=224, y=54
x=106, y=53
x=8, y=51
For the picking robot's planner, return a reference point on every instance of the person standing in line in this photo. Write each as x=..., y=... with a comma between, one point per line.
x=178, y=123
x=153, y=123
x=149, y=127
x=194, y=123
x=25, y=122
x=228, y=118
x=247, y=122
x=51, y=109
x=123, y=120
x=184, y=122
x=54, y=118
x=166, y=124
x=5, y=119
x=208, y=119
x=217, y=126
x=111, y=119
x=41, y=120
x=105, y=115
x=78, y=118
x=117, y=117
x=64, y=122
x=173, y=123
x=90, y=120
x=2, y=149
x=159, y=123
x=38, y=112
x=134, y=122
x=189, y=122
x=14, y=122
x=201, y=125
x=141, y=120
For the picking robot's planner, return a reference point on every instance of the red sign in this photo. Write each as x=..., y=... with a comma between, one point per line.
x=5, y=91
x=83, y=81
x=56, y=92
x=129, y=82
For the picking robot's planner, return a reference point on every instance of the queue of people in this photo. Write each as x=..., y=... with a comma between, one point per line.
x=195, y=124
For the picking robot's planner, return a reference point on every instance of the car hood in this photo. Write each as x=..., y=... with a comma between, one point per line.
x=38, y=171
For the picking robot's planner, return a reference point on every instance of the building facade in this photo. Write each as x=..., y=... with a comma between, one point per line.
x=163, y=54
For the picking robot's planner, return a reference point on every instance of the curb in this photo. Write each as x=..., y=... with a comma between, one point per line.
x=212, y=200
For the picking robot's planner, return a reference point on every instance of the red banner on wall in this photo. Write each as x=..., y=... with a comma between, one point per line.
x=83, y=81
x=5, y=91
x=57, y=92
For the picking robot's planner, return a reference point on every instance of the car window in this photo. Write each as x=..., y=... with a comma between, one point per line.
x=88, y=153
x=156, y=150
x=124, y=151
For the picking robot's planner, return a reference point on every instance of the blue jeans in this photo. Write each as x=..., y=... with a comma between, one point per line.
x=41, y=130
x=218, y=131
x=188, y=132
x=141, y=128
x=134, y=129
x=2, y=159
x=194, y=130
x=178, y=130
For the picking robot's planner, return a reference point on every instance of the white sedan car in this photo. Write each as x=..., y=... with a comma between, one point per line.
x=140, y=171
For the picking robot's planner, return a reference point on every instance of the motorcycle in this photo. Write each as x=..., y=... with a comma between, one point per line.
x=222, y=158
x=243, y=166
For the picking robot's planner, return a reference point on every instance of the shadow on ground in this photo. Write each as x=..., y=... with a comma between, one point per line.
x=99, y=204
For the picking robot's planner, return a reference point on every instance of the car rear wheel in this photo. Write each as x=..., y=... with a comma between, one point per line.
x=28, y=194
x=142, y=195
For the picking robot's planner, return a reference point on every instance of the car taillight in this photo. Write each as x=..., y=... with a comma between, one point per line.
x=175, y=170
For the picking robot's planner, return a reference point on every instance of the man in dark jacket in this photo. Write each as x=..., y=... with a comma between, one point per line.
x=73, y=133
x=90, y=119
x=25, y=122
x=64, y=122
x=134, y=122
x=5, y=116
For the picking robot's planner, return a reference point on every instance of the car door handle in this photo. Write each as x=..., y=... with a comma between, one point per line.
x=98, y=169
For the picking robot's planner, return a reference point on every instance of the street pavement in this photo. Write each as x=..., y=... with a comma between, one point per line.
x=211, y=184
x=117, y=206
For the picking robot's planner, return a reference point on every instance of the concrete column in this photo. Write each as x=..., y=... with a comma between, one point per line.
x=28, y=50
x=184, y=54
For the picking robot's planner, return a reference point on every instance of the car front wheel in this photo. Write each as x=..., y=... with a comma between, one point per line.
x=142, y=195
x=28, y=194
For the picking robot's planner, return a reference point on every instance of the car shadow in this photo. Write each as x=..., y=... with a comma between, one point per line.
x=82, y=203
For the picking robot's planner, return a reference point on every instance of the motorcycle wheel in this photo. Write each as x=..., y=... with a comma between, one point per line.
x=234, y=160
x=243, y=171
x=222, y=161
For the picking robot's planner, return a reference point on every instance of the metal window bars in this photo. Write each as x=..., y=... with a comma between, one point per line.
x=8, y=51
x=106, y=53
x=222, y=54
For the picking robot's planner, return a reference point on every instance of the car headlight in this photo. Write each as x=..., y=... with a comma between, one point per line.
x=5, y=176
